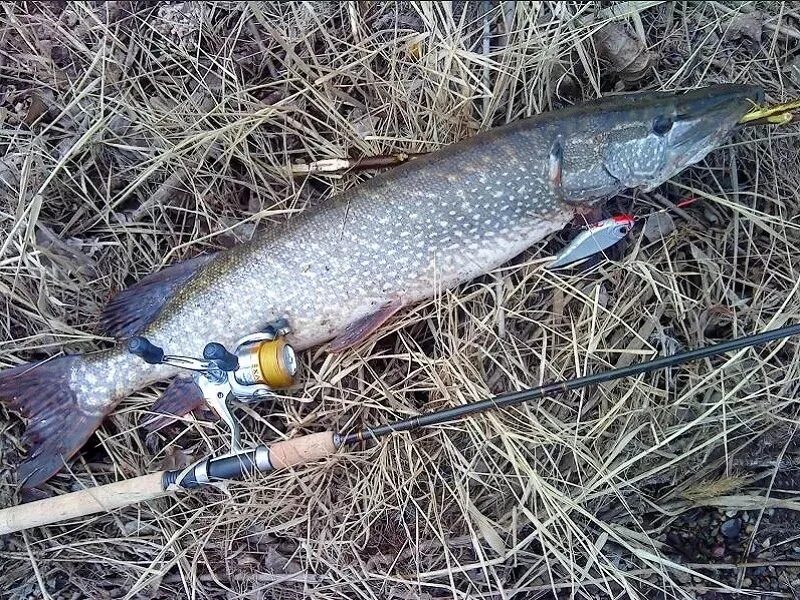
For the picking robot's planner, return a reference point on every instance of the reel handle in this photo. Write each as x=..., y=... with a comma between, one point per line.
x=144, y=349
x=227, y=361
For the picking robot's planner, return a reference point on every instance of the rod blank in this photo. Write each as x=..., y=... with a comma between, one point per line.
x=559, y=387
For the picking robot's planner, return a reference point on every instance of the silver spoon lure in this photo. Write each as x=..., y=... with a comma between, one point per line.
x=598, y=237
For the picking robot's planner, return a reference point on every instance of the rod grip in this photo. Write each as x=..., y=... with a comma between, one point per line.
x=302, y=450
x=103, y=498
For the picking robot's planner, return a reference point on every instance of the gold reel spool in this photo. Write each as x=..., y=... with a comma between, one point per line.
x=270, y=362
x=277, y=362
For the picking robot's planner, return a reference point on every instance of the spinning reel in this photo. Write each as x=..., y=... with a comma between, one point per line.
x=261, y=362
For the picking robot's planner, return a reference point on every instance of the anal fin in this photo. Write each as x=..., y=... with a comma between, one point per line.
x=181, y=397
x=363, y=328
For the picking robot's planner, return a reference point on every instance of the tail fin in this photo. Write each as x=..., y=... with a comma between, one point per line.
x=57, y=426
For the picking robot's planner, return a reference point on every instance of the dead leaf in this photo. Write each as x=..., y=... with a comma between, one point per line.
x=658, y=226
x=487, y=530
x=792, y=69
x=71, y=249
x=276, y=562
x=175, y=458
x=624, y=52
x=748, y=502
x=36, y=109
x=746, y=25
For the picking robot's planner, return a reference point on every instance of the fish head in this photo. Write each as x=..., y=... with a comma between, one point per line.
x=659, y=135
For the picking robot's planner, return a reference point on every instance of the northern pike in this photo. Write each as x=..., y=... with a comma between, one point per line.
x=338, y=272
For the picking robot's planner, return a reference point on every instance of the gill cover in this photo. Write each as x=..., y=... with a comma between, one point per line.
x=661, y=134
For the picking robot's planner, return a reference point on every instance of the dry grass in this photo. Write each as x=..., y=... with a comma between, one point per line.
x=169, y=129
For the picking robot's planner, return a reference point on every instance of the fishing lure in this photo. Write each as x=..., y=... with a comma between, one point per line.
x=779, y=114
x=599, y=237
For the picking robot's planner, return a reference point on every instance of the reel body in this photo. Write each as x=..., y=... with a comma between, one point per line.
x=259, y=364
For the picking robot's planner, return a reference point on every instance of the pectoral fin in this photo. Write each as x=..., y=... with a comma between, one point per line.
x=363, y=328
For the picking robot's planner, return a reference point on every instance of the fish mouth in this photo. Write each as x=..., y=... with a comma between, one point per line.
x=711, y=114
x=728, y=102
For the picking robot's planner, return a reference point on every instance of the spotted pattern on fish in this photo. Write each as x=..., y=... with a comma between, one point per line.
x=399, y=238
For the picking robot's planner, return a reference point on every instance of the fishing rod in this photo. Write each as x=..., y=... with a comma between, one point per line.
x=223, y=366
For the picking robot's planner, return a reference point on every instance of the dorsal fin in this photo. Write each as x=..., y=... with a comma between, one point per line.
x=135, y=307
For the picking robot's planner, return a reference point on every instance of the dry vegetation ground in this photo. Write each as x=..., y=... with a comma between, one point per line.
x=136, y=134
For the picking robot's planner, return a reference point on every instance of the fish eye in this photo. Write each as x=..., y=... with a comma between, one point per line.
x=623, y=230
x=662, y=125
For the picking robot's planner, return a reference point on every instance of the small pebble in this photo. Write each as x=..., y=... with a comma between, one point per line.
x=766, y=543
x=731, y=528
x=673, y=539
x=796, y=549
x=748, y=529
x=136, y=528
x=770, y=512
x=658, y=226
x=731, y=513
x=746, y=517
x=747, y=582
x=718, y=551
x=682, y=577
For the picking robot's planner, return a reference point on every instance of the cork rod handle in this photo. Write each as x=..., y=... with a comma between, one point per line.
x=301, y=450
x=106, y=498
x=98, y=499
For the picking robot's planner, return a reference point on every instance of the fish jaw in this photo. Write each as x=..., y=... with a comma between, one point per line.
x=635, y=140
x=650, y=138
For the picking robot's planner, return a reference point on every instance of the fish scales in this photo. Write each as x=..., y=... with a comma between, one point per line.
x=395, y=240
x=422, y=227
x=400, y=235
